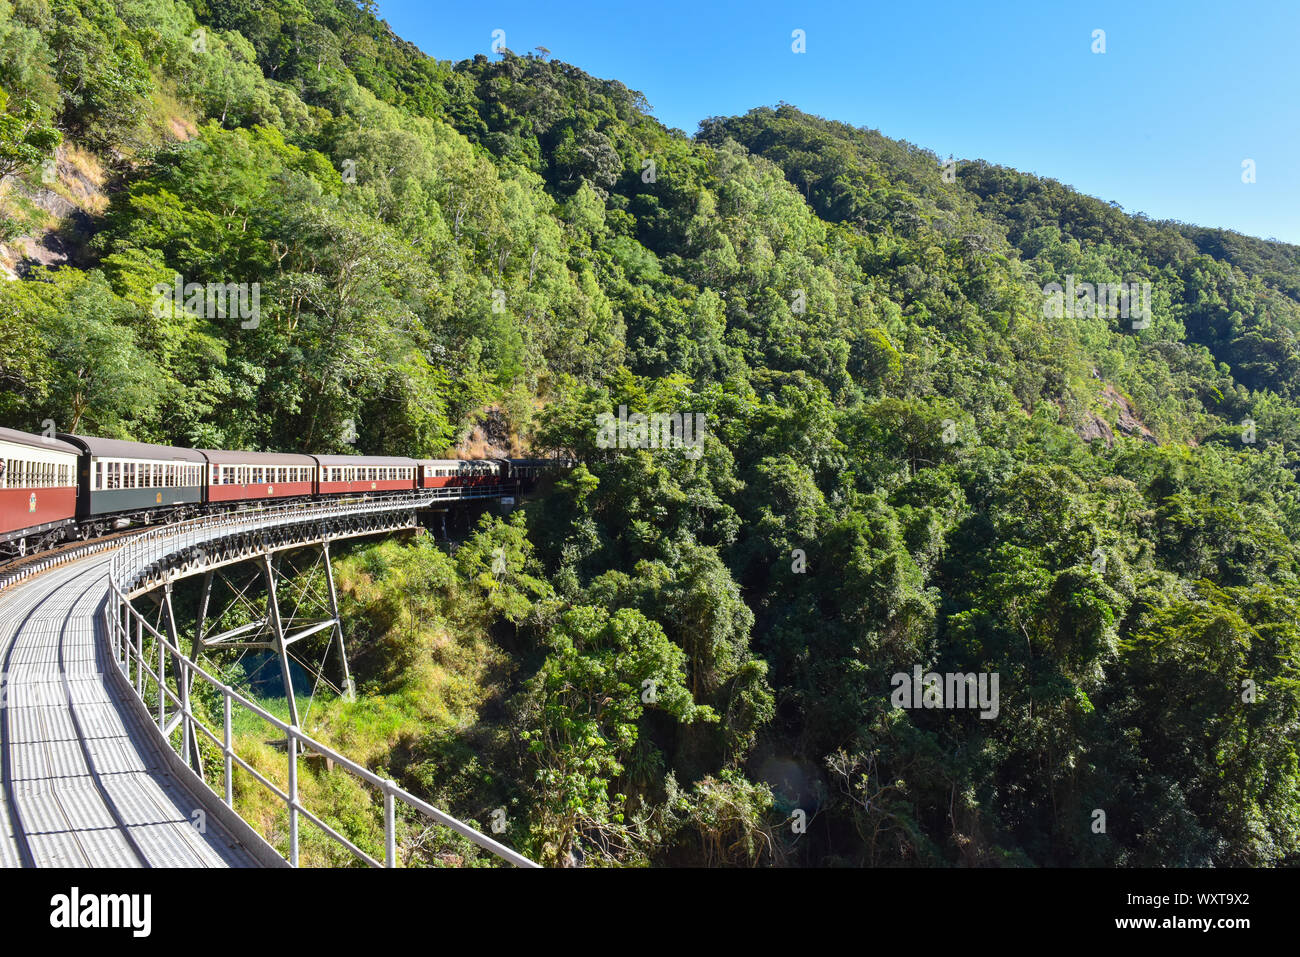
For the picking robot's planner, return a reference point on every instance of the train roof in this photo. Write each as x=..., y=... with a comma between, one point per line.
x=121, y=449
x=384, y=460
x=37, y=441
x=226, y=457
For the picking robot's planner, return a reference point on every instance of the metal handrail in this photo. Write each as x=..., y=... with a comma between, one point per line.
x=140, y=551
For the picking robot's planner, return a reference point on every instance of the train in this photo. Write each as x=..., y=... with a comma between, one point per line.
x=64, y=487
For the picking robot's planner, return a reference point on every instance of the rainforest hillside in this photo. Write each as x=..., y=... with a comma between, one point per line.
x=908, y=462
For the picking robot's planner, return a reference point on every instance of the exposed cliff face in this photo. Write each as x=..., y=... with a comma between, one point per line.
x=54, y=212
x=1115, y=415
x=490, y=437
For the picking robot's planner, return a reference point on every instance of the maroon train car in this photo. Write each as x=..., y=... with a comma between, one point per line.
x=38, y=491
x=462, y=473
x=341, y=474
x=240, y=476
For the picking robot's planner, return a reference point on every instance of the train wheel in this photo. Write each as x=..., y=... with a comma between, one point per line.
x=22, y=547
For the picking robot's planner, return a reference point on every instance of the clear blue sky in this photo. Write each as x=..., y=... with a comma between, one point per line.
x=1159, y=123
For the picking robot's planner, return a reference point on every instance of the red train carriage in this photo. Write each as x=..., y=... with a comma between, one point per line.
x=38, y=491
x=240, y=476
x=341, y=474
x=459, y=473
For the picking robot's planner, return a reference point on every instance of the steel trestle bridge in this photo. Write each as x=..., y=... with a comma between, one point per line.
x=106, y=757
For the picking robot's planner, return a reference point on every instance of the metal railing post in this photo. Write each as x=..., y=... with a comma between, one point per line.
x=162, y=684
x=390, y=826
x=293, y=797
x=139, y=656
x=228, y=750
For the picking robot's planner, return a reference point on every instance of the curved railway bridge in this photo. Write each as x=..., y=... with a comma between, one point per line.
x=105, y=760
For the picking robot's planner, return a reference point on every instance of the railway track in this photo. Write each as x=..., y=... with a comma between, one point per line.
x=20, y=569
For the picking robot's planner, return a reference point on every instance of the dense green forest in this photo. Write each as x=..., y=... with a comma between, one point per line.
x=907, y=462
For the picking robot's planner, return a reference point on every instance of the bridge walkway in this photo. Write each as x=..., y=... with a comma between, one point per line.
x=83, y=783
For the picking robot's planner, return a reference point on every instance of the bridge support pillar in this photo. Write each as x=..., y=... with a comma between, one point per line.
x=271, y=570
x=349, y=690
